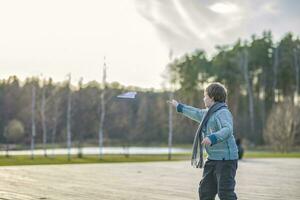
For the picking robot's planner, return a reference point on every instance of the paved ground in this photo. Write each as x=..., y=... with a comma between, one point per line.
x=259, y=179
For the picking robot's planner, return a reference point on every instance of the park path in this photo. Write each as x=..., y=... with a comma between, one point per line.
x=259, y=179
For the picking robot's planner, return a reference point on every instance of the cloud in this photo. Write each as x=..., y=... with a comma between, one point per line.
x=62, y=36
x=194, y=24
x=187, y=25
x=224, y=8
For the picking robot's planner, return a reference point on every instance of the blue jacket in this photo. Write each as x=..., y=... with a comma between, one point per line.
x=219, y=130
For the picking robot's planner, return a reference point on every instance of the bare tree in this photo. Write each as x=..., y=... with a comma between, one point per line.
x=32, y=120
x=43, y=118
x=275, y=72
x=263, y=94
x=281, y=127
x=297, y=76
x=243, y=58
x=79, y=154
x=69, y=144
x=171, y=96
x=102, y=114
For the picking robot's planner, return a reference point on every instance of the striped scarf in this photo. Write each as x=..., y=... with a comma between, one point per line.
x=198, y=163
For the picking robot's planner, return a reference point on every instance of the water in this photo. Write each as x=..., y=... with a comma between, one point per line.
x=105, y=150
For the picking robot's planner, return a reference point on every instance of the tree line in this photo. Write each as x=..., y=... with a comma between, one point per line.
x=262, y=77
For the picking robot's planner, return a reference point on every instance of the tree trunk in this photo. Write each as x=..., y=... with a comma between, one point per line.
x=102, y=114
x=170, y=114
x=7, y=150
x=79, y=154
x=44, y=127
x=170, y=127
x=69, y=120
x=263, y=100
x=32, y=121
x=297, y=76
x=54, y=125
x=244, y=66
x=275, y=72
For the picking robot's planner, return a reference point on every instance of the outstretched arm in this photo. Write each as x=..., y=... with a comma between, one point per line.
x=189, y=111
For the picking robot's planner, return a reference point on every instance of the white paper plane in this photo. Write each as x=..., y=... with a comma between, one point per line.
x=127, y=95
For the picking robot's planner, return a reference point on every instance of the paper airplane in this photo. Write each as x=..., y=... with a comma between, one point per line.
x=127, y=95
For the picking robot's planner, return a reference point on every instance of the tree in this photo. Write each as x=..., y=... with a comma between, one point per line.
x=282, y=124
x=190, y=72
x=286, y=70
x=69, y=116
x=43, y=117
x=226, y=70
x=244, y=64
x=297, y=73
x=78, y=115
x=260, y=68
x=14, y=132
x=33, y=125
x=103, y=111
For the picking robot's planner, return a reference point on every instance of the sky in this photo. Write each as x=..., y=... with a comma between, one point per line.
x=134, y=37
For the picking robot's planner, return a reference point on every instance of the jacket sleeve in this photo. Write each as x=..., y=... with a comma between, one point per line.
x=224, y=121
x=193, y=113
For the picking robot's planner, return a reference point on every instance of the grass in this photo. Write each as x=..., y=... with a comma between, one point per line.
x=62, y=159
x=270, y=154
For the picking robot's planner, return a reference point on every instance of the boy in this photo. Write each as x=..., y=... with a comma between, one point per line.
x=216, y=134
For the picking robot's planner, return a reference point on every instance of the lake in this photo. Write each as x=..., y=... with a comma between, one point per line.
x=106, y=150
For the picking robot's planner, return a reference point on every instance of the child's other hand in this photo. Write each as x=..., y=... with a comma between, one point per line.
x=206, y=141
x=173, y=102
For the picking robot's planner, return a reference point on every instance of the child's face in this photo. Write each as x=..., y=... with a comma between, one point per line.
x=208, y=102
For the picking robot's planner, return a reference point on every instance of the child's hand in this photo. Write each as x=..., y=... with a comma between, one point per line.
x=206, y=141
x=173, y=102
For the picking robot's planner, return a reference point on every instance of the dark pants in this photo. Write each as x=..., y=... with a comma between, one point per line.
x=218, y=178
